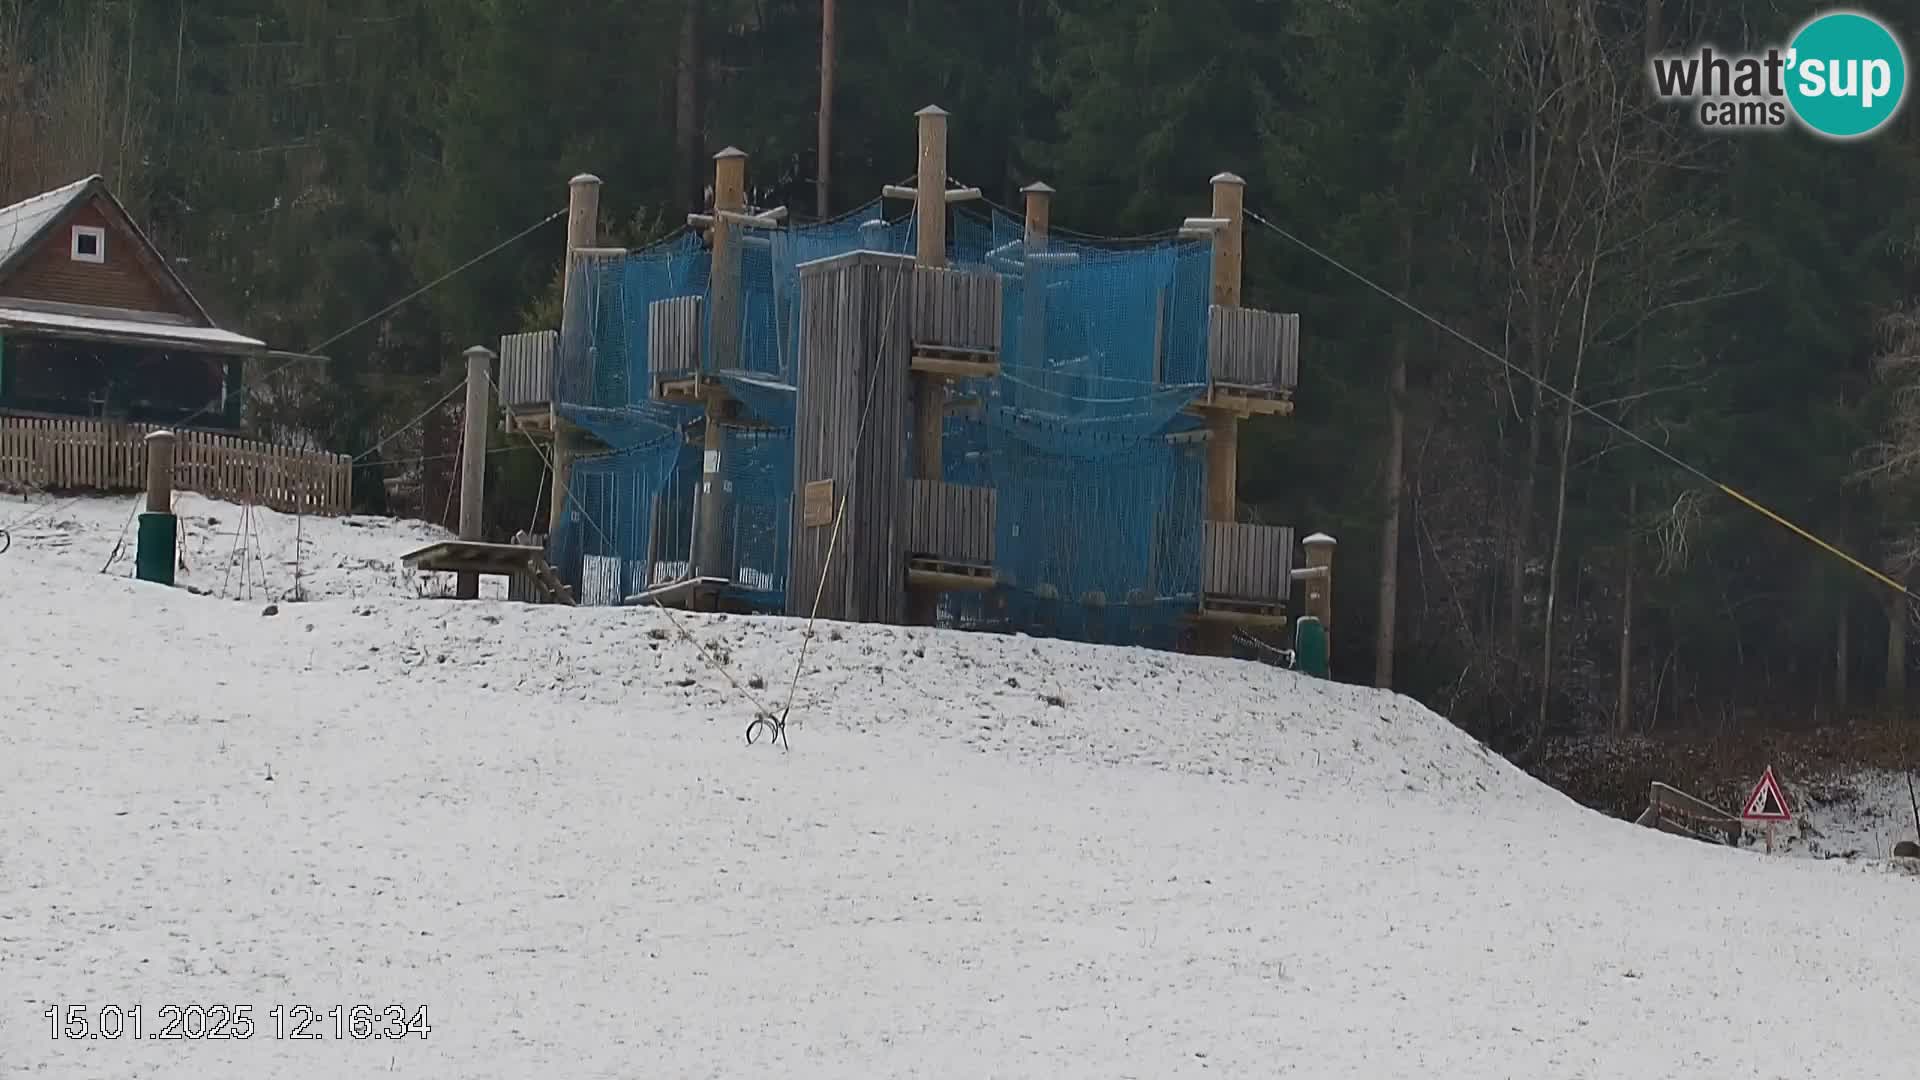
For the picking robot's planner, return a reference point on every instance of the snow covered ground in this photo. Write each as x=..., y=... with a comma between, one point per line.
x=234, y=552
x=983, y=856
x=1858, y=816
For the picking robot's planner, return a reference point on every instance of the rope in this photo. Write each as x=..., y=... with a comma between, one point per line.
x=1659, y=451
x=409, y=425
x=396, y=305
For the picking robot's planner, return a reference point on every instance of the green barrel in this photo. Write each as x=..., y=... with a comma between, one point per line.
x=153, y=559
x=1310, y=647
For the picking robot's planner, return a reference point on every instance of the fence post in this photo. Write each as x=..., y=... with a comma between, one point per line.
x=473, y=462
x=159, y=532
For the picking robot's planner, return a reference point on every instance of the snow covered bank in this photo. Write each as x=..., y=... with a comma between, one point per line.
x=231, y=551
x=983, y=856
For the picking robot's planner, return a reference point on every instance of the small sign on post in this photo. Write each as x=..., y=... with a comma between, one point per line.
x=1767, y=804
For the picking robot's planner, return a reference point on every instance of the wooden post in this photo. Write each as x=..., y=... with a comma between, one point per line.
x=711, y=558
x=583, y=231
x=729, y=195
x=1223, y=428
x=473, y=462
x=1033, y=302
x=930, y=189
x=160, y=446
x=1223, y=465
x=1229, y=200
x=156, y=543
x=823, y=151
x=1319, y=587
x=929, y=404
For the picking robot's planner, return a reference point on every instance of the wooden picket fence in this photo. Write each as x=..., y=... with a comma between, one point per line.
x=59, y=454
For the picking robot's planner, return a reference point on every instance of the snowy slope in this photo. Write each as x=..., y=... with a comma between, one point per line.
x=231, y=551
x=983, y=856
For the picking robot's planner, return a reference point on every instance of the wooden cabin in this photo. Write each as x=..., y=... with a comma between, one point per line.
x=95, y=324
x=102, y=343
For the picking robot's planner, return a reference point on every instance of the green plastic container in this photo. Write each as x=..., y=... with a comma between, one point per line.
x=154, y=558
x=1310, y=647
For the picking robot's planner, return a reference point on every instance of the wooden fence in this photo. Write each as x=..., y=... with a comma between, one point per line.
x=1252, y=348
x=951, y=522
x=99, y=455
x=956, y=309
x=1248, y=562
x=526, y=368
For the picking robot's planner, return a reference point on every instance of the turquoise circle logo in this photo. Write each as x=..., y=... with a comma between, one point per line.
x=1848, y=75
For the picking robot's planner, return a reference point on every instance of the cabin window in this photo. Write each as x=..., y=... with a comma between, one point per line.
x=89, y=244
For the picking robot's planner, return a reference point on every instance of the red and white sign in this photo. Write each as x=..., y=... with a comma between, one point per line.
x=1768, y=802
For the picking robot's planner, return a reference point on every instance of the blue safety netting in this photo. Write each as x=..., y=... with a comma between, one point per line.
x=601, y=548
x=1083, y=435
x=757, y=469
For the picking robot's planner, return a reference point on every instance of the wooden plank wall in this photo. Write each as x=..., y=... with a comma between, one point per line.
x=1252, y=348
x=951, y=522
x=855, y=329
x=957, y=309
x=673, y=336
x=526, y=367
x=1248, y=562
x=80, y=454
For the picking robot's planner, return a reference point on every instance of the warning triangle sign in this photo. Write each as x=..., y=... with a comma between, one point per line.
x=1768, y=802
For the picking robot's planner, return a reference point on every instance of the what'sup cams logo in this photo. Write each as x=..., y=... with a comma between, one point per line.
x=1842, y=76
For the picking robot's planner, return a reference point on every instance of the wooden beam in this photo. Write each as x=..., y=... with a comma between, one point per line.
x=930, y=581
x=954, y=367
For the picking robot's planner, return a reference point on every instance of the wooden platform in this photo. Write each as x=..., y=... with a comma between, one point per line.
x=479, y=557
x=693, y=389
x=1244, y=400
x=1234, y=611
x=945, y=576
x=535, y=422
x=955, y=363
x=697, y=593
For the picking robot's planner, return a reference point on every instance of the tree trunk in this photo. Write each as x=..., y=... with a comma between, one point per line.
x=1395, y=478
x=689, y=168
x=1623, y=693
x=1896, y=647
x=823, y=166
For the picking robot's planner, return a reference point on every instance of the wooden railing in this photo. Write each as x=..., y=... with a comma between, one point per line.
x=526, y=368
x=1247, y=562
x=99, y=455
x=674, y=331
x=1253, y=348
x=1674, y=811
x=951, y=522
x=956, y=309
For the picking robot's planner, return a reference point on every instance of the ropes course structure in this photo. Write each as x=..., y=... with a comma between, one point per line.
x=1081, y=434
x=949, y=416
